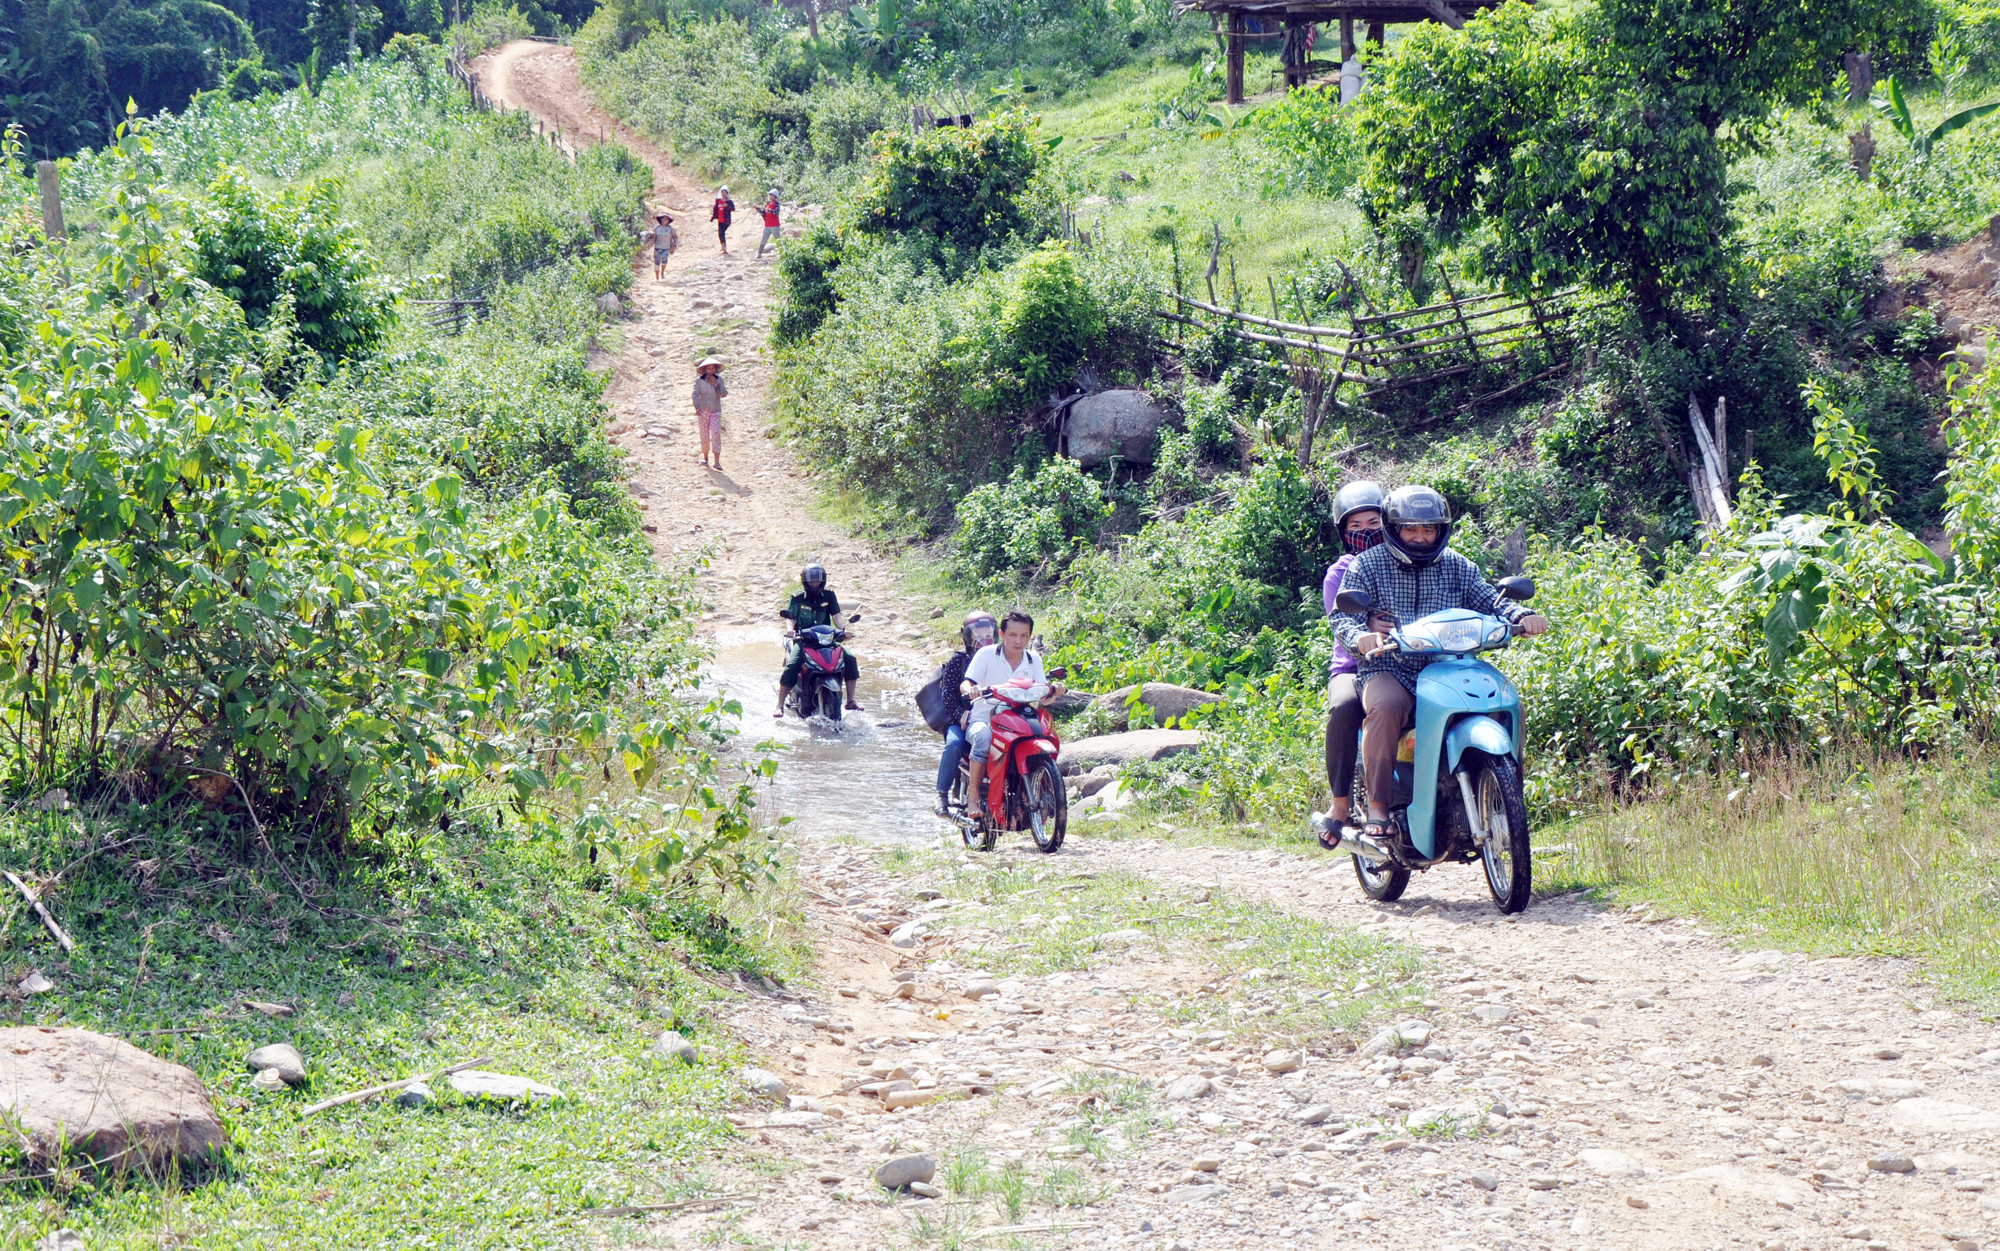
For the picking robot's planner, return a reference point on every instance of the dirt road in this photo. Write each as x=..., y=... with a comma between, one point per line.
x=1087, y=1060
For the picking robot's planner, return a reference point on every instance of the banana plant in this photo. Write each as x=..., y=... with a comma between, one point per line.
x=1896, y=111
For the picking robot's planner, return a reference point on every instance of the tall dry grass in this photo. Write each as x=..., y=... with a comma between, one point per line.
x=1841, y=855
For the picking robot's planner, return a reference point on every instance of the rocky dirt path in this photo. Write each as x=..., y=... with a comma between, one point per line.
x=1080, y=1077
x=754, y=513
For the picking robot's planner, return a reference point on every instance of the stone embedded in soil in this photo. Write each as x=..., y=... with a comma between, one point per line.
x=102, y=1096
x=901, y=1171
x=1484, y=1179
x=36, y=984
x=908, y=934
x=1284, y=1061
x=980, y=990
x=1193, y=1086
x=1891, y=1162
x=1315, y=1114
x=480, y=1084
x=415, y=1095
x=904, y=990
x=927, y=1190
x=1607, y=1163
x=283, y=1057
x=672, y=1046
x=909, y=1098
x=1941, y=1117
x=765, y=1084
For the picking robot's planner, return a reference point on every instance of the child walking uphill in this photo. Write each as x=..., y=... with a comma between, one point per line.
x=708, y=392
x=722, y=214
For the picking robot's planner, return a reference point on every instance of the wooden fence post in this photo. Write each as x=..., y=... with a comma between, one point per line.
x=1233, y=73
x=50, y=181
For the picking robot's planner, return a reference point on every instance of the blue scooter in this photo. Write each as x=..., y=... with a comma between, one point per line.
x=1457, y=793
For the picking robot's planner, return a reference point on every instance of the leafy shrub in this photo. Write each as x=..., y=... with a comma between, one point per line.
x=805, y=284
x=293, y=249
x=1031, y=524
x=1307, y=144
x=968, y=187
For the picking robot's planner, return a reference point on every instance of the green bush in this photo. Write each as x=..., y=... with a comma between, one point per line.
x=1033, y=525
x=966, y=187
x=806, y=291
x=292, y=251
x=1307, y=144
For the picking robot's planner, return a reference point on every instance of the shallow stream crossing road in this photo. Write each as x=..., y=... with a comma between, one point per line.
x=1576, y=1078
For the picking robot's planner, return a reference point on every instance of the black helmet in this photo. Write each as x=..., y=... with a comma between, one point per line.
x=813, y=578
x=1416, y=506
x=978, y=630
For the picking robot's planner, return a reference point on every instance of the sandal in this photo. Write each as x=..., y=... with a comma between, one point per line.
x=1328, y=831
x=1379, y=833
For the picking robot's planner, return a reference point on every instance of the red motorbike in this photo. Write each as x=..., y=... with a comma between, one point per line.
x=1024, y=788
x=819, y=688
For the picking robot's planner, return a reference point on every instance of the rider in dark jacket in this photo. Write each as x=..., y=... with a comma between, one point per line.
x=979, y=629
x=815, y=605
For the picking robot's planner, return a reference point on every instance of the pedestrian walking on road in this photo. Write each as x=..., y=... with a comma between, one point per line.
x=708, y=392
x=770, y=236
x=722, y=214
x=665, y=239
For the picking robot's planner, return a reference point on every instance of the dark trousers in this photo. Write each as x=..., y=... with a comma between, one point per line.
x=1343, y=724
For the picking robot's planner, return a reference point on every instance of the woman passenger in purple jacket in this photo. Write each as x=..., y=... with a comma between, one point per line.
x=1358, y=512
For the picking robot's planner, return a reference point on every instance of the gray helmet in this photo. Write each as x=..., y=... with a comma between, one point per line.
x=1416, y=505
x=1354, y=497
x=978, y=630
x=813, y=578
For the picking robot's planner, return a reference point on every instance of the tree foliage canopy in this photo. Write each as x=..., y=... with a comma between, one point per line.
x=1596, y=143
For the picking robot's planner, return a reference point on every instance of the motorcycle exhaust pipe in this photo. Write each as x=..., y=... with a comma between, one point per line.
x=1363, y=847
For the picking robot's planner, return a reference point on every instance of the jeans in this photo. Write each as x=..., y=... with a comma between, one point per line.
x=954, y=752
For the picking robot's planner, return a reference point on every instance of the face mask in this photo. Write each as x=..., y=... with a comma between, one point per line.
x=1361, y=540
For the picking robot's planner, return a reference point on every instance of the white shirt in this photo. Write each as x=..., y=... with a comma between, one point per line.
x=989, y=667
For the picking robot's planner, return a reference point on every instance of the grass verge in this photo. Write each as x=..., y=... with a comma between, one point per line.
x=475, y=943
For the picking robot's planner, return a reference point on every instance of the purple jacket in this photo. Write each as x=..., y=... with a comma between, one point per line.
x=1343, y=660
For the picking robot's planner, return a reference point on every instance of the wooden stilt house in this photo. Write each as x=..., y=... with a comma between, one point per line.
x=1283, y=26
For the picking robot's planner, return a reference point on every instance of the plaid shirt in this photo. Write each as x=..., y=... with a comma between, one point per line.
x=1450, y=581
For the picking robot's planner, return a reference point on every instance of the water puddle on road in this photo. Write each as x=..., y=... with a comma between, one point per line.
x=873, y=776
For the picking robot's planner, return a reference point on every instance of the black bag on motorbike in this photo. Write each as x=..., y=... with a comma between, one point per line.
x=934, y=701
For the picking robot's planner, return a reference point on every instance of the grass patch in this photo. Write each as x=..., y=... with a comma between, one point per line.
x=1270, y=972
x=475, y=943
x=1842, y=857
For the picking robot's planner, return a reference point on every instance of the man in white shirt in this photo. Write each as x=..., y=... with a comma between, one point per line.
x=993, y=665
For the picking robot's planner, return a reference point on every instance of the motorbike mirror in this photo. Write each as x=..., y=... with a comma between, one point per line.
x=1057, y=675
x=1517, y=588
x=1354, y=601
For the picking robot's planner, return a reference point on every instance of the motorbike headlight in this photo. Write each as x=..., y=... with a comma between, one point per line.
x=1458, y=636
x=1418, y=641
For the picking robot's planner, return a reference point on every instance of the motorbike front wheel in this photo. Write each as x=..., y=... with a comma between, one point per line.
x=829, y=700
x=1496, y=791
x=1384, y=883
x=1048, y=804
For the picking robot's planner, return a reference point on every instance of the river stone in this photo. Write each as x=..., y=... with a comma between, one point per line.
x=280, y=1056
x=1891, y=1162
x=105, y=1098
x=1130, y=747
x=1193, y=1086
x=981, y=989
x=414, y=1095
x=1284, y=1061
x=1317, y=1114
x=901, y=1171
x=1939, y=1116
x=766, y=1084
x=1165, y=699
x=480, y=1084
x=1123, y=422
x=908, y=934
x=1608, y=1163
x=672, y=1046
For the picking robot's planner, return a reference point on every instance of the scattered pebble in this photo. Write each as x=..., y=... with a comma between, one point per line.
x=901, y=1171
x=673, y=1046
x=280, y=1057
x=415, y=1095
x=1890, y=1162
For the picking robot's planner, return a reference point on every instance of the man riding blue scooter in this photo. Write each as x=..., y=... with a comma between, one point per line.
x=1411, y=575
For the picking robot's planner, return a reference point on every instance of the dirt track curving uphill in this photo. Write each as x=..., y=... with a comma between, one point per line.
x=1575, y=1078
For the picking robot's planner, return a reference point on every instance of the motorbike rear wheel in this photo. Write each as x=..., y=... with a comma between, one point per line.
x=1048, y=804
x=978, y=835
x=1496, y=790
x=1384, y=883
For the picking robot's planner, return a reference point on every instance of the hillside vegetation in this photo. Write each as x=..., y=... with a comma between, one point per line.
x=340, y=673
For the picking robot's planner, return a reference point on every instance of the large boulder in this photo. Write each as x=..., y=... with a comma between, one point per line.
x=1165, y=699
x=1130, y=747
x=1112, y=423
x=101, y=1097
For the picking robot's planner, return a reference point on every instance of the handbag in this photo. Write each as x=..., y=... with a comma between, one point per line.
x=934, y=702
